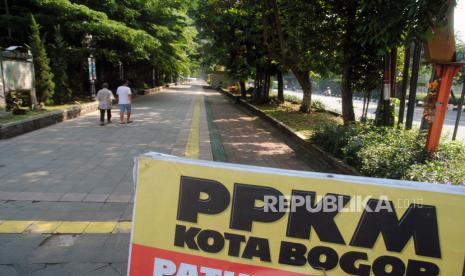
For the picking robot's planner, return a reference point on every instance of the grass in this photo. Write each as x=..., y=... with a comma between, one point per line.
x=303, y=123
x=31, y=114
x=288, y=113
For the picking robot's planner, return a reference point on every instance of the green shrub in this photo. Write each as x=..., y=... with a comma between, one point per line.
x=333, y=138
x=375, y=151
x=357, y=136
x=388, y=152
x=421, y=96
x=318, y=105
x=14, y=103
x=292, y=99
x=446, y=166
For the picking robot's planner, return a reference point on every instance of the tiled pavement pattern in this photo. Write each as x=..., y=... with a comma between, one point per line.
x=80, y=161
x=79, y=175
x=76, y=177
x=247, y=139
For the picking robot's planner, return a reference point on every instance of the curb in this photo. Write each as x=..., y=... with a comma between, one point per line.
x=13, y=129
x=153, y=90
x=215, y=137
x=311, y=148
x=157, y=89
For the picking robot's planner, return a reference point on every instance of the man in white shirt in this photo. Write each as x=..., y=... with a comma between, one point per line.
x=104, y=97
x=124, y=101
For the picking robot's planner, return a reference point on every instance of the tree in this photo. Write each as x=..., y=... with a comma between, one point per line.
x=298, y=35
x=232, y=39
x=60, y=67
x=44, y=77
x=143, y=35
x=387, y=25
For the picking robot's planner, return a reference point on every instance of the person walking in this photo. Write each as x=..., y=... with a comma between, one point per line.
x=105, y=97
x=124, y=101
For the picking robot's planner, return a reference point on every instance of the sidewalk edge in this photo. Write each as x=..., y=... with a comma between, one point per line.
x=327, y=157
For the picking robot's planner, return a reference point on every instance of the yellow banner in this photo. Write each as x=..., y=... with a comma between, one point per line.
x=223, y=219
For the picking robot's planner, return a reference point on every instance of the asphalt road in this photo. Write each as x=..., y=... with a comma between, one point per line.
x=334, y=104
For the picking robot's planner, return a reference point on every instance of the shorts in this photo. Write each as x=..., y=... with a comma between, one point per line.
x=125, y=108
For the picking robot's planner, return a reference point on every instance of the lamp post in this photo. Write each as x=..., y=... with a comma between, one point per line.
x=121, y=71
x=92, y=74
x=92, y=69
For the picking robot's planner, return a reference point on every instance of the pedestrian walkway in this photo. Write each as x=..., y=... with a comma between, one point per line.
x=66, y=190
x=246, y=141
x=76, y=178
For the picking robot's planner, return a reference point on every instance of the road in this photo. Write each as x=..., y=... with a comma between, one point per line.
x=334, y=104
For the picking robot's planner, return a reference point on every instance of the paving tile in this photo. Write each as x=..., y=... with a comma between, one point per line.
x=14, y=226
x=7, y=195
x=42, y=227
x=72, y=227
x=28, y=269
x=8, y=270
x=16, y=248
x=127, y=215
x=73, y=197
x=115, y=249
x=122, y=267
x=86, y=248
x=107, y=270
x=46, y=196
x=24, y=196
x=100, y=227
x=123, y=227
x=119, y=198
x=249, y=140
x=72, y=269
x=96, y=198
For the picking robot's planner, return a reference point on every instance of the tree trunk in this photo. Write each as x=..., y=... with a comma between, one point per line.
x=279, y=76
x=384, y=116
x=393, y=71
x=347, y=95
x=405, y=78
x=365, y=99
x=454, y=98
x=413, y=85
x=264, y=87
x=304, y=81
x=347, y=74
x=264, y=95
x=368, y=105
x=34, y=104
x=257, y=85
x=243, y=90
